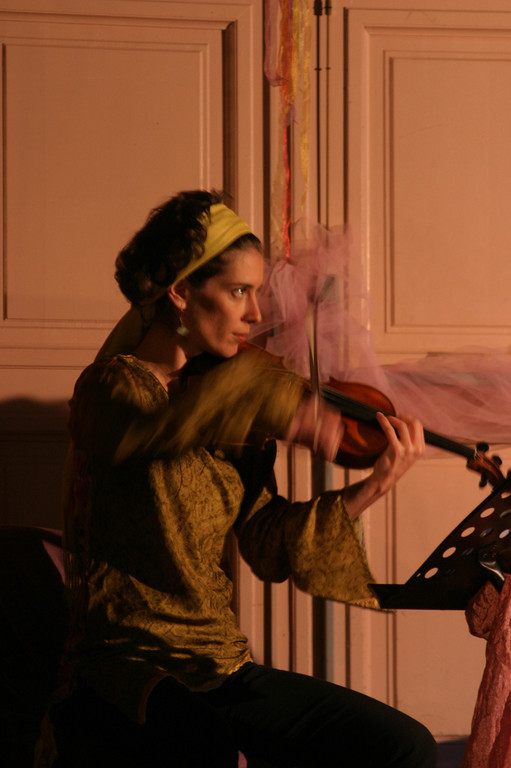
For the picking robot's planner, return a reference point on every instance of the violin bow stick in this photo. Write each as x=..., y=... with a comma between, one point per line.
x=311, y=324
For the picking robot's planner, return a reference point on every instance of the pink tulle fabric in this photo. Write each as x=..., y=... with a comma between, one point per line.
x=465, y=396
x=489, y=616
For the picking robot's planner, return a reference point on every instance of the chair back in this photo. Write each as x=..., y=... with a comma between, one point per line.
x=33, y=626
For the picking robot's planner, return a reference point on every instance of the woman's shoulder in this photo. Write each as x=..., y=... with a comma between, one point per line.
x=117, y=365
x=121, y=376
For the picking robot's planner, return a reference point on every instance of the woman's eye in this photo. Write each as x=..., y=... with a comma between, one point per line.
x=239, y=291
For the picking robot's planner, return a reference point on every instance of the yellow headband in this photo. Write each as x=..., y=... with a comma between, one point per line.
x=224, y=228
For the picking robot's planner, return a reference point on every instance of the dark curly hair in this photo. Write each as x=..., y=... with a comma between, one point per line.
x=174, y=234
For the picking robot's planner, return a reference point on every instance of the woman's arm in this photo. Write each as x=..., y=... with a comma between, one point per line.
x=118, y=415
x=321, y=429
x=406, y=445
x=315, y=542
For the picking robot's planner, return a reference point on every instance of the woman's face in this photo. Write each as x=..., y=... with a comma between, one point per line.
x=219, y=314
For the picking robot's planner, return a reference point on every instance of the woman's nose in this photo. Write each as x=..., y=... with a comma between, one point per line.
x=253, y=311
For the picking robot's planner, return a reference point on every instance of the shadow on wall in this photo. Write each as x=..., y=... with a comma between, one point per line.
x=22, y=415
x=33, y=447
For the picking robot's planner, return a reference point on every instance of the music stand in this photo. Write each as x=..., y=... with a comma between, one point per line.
x=478, y=549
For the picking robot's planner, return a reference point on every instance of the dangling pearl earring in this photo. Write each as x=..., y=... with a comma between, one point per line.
x=182, y=330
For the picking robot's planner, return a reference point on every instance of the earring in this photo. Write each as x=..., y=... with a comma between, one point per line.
x=182, y=330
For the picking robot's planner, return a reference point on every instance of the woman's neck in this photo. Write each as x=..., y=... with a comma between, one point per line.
x=161, y=351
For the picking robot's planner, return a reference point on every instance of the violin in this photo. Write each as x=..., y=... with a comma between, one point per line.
x=363, y=439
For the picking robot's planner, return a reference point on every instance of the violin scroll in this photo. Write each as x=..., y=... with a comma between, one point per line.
x=488, y=468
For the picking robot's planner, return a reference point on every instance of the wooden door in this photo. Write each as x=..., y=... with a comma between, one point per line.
x=427, y=189
x=413, y=122
x=108, y=109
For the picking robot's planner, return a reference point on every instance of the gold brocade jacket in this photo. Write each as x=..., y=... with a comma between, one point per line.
x=156, y=486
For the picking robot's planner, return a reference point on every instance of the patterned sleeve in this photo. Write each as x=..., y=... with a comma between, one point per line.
x=115, y=417
x=314, y=543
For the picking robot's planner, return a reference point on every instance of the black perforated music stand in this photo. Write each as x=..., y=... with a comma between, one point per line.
x=478, y=548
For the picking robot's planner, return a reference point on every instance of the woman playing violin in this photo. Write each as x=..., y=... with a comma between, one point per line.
x=166, y=463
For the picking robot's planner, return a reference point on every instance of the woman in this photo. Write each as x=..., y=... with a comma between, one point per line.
x=171, y=453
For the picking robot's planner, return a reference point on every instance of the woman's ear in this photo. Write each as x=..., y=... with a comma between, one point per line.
x=178, y=295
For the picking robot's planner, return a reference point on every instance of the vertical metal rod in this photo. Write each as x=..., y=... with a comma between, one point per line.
x=328, y=13
x=318, y=10
x=318, y=605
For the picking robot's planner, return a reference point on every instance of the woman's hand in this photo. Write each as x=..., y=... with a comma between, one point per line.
x=318, y=427
x=406, y=444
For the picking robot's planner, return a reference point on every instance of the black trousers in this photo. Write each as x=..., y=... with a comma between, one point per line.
x=283, y=719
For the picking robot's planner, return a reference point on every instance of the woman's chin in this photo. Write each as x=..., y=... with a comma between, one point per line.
x=230, y=351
